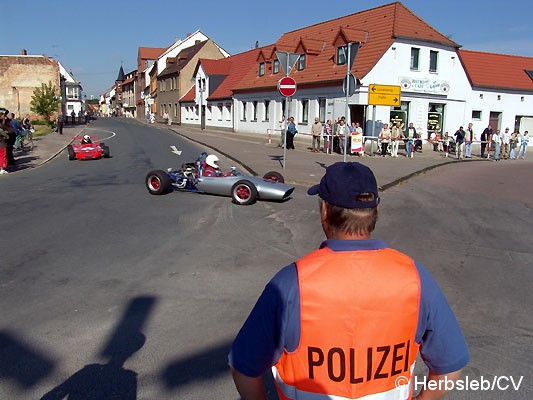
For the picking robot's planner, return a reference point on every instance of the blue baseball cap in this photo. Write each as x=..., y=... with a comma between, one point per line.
x=344, y=182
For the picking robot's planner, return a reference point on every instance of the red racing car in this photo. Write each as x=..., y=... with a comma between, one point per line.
x=87, y=149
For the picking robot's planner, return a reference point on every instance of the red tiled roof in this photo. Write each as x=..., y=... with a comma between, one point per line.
x=151, y=53
x=233, y=67
x=497, y=71
x=240, y=65
x=215, y=67
x=190, y=96
x=377, y=28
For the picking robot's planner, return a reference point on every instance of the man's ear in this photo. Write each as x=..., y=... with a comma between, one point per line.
x=323, y=210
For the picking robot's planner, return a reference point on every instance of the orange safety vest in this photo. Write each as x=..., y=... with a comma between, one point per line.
x=358, y=320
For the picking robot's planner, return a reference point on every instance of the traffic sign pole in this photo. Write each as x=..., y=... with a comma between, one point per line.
x=287, y=61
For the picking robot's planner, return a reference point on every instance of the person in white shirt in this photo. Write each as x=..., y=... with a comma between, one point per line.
x=506, y=143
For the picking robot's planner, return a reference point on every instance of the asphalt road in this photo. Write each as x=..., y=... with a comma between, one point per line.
x=108, y=291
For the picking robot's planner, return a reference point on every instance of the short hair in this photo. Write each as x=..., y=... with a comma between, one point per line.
x=352, y=220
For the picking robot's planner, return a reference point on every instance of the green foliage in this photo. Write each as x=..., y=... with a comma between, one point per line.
x=44, y=101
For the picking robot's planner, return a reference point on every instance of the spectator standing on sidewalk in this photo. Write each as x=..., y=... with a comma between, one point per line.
x=4, y=138
x=410, y=135
x=469, y=138
x=319, y=320
x=396, y=134
x=327, y=136
x=12, y=137
x=86, y=116
x=506, y=142
x=486, y=137
x=316, y=130
x=283, y=131
x=341, y=133
x=384, y=137
x=524, y=142
x=459, y=142
x=513, y=145
x=291, y=132
x=73, y=116
x=496, y=141
x=60, y=122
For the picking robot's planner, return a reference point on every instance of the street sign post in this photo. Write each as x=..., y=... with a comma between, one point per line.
x=287, y=86
x=384, y=95
x=349, y=83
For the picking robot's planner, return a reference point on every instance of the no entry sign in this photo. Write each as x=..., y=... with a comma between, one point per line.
x=287, y=86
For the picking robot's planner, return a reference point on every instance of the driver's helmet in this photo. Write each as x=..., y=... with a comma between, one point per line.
x=86, y=139
x=212, y=161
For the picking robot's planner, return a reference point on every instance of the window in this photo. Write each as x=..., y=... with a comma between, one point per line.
x=415, y=54
x=267, y=110
x=305, y=110
x=433, y=60
x=254, y=110
x=476, y=114
x=341, y=55
x=322, y=109
x=261, y=69
x=301, y=62
x=275, y=67
x=228, y=111
x=243, y=116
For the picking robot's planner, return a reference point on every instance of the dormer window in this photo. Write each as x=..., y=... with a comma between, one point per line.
x=341, y=55
x=275, y=67
x=301, y=62
x=261, y=69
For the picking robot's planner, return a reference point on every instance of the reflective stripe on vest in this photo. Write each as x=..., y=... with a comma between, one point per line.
x=358, y=319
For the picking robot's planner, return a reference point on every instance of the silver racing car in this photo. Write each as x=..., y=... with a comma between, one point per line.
x=243, y=189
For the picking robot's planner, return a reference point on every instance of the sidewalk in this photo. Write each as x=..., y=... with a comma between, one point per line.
x=46, y=147
x=254, y=153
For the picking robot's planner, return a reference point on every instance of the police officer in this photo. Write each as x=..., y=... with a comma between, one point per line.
x=348, y=319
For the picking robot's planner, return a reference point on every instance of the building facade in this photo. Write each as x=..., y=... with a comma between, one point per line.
x=442, y=87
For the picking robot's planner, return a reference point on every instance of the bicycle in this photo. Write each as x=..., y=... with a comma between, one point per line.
x=24, y=141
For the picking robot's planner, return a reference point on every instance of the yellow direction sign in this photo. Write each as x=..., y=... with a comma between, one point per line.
x=384, y=95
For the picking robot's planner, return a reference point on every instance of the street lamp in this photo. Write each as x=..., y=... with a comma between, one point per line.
x=201, y=89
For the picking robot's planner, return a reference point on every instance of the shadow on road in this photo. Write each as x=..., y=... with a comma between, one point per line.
x=20, y=362
x=111, y=380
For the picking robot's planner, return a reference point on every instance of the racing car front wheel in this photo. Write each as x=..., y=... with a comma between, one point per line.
x=105, y=151
x=274, y=176
x=244, y=193
x=70, y=152
x=157, y=182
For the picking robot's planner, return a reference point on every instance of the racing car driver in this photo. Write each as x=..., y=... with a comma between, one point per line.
x=86, y=140
x=211, y=167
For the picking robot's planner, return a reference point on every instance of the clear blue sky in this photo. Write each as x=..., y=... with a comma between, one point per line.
x=93, y=38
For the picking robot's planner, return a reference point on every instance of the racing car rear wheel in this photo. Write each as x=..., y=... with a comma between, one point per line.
x=70, y=152
x=157, y=182
x=274, y=176
x=244, y=193
x=105, y=151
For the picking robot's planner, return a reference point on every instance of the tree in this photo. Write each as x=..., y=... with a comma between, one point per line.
x=44, y=101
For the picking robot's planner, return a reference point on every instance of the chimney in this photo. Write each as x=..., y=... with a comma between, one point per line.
x=24, y=52
x=188, y=34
